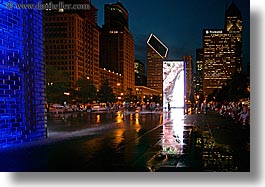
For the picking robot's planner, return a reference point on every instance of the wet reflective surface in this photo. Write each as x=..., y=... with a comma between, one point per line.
x=131, y=141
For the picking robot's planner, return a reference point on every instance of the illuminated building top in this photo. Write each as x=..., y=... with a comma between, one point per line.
x=116, y=16
x=234, y=26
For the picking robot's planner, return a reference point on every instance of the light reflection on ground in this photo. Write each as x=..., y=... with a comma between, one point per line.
x=132, y=141
x=172, y=141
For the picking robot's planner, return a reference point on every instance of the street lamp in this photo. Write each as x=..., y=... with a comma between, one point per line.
x=66, y=93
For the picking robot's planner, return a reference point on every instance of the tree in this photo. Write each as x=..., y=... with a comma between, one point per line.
x=57, y=82
x=106, y=93
x=234, y=89
x=87, y=92
x=129, y=97
x=156, y=98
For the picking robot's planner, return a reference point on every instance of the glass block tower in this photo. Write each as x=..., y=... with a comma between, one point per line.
x=22, y=101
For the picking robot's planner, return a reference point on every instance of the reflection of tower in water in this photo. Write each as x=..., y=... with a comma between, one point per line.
x=172, y=140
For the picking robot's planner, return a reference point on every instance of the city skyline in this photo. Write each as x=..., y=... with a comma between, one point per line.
x=179, y=27
x=68, y=84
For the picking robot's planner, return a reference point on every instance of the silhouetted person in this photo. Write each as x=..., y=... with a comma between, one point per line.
x=168, y=107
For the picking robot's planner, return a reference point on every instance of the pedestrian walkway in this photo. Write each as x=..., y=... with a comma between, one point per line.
x=216, y=144
x=195, y=142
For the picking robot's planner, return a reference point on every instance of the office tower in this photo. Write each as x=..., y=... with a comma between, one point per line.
x=189, y=74
x=22, y=104
x=139, y=69
x=117, y=44
x=222, y=51
x=72, y=42
x=156, y=53
x=234, y=27
x=199, y=72
x=219, y=59
x=199, y=60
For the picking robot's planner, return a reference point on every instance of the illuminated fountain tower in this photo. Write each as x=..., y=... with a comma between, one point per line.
x=173, y=84
x=21, y=75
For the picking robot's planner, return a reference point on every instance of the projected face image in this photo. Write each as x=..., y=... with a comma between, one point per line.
x=173, y=84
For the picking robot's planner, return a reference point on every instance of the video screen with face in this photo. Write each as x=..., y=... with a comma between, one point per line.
x=173, y=85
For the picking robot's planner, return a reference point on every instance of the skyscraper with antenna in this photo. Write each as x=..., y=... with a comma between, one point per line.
x=222, y=51
x=233, y=20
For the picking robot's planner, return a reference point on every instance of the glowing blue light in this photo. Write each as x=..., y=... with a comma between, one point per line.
x=21, y=75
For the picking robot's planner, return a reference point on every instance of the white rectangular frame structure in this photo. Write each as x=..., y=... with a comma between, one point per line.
x=174, y=75
x=157, y=45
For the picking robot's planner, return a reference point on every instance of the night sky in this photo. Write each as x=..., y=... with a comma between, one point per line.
x=178, y=24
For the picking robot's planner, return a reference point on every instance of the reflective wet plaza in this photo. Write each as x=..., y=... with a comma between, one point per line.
x=132, y=141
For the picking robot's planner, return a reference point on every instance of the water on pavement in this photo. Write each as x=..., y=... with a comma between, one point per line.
x=118, y=141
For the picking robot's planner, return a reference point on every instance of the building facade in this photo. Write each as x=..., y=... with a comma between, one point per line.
x=198, y=77
x=156, y=53
x=144, y=92
x=115, y=80
x=189, y=76
x=222, y=51
x=22, y=104
x=199, y=60
x=219, y=60
x=139, y=69
x=117, y=44
x=234, y=27
x=72, y=43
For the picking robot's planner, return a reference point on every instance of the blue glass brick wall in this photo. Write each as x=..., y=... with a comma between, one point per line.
x=21, y=75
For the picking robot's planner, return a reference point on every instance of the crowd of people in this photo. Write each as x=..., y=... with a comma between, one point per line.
x=239, y=111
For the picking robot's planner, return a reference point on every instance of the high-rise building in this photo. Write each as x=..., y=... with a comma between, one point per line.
x=72, y=42
x=117, y=44
x=222, y=51
x=234, y=27
x=139, y=69
x=22, y=104
x=199, y=60
x=189, y=74
x=156, y=53
x=199, y=72
x=219, y=59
